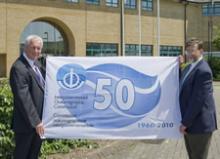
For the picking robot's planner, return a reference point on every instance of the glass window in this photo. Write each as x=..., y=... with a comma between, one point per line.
x=54, y=41
x=101, y=49
x=217, y=9
x=73, y=1
x=147, y=5
x=133, y=50
x=96, y=2
x=112, y=3
x=170, y=50
x=146, y=50
x=208, y=9
x=131, y=4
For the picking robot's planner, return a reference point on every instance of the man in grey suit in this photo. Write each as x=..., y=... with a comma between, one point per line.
x=197, y=103
x=27, y=83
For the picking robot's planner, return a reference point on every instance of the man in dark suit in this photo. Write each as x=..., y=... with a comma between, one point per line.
x=27, y=83
x=197, y=103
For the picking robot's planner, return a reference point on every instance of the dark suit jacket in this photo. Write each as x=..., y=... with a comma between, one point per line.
x=196, y=100
x=28, y=96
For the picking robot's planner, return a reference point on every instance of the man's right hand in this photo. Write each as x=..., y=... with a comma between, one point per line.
x=40, y=129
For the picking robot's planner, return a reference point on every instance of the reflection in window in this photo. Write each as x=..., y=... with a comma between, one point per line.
x=54, y=43
x=101, y=49
x=131, y=4
x=73, y=1
x=133, y=50
x=147, y=5
x=96, y=2
x=208, y=9
x=112, y=3
x=170, y=50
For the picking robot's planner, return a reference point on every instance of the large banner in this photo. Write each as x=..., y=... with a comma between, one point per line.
x=112, y=98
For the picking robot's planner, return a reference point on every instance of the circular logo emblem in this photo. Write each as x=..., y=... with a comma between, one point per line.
x=71, y=76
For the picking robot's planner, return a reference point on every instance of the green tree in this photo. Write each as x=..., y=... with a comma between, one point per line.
x=216, y=38
x=214, y=62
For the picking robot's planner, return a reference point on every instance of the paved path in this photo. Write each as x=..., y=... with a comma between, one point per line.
x=168, y=149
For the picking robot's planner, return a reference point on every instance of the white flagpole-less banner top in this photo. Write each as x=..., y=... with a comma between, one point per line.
x=112, y=98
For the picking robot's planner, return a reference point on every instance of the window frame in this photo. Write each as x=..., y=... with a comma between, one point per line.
x=113, y=47
x=112, y=3
x=129, y=5
x=135, y=48
x=93, y=2
x=147, y=8
x=170, y=50
x=72, y=1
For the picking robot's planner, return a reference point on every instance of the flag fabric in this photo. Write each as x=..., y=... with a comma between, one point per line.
x=112, y=98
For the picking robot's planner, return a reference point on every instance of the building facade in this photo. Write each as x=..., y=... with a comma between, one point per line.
x=94, y=27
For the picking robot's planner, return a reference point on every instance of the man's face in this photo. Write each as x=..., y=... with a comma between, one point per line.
x=33, y=50
x=193, y=53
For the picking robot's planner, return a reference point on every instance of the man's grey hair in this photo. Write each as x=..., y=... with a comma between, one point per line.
x=30, y=38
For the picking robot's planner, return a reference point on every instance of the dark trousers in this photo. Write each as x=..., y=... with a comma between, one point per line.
x=197, y=145
x=27, y=145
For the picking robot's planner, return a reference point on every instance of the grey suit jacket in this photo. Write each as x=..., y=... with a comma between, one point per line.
x=28, y=96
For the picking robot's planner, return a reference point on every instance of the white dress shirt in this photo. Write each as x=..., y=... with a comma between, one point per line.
x=35, y=68
x=193, y=65
x=30, y=61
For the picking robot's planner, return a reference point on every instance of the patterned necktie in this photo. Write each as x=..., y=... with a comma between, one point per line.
x=39, y=76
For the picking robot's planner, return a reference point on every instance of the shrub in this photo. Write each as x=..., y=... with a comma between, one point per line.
x=7, y=145
x=6, y=134
x=52, y=146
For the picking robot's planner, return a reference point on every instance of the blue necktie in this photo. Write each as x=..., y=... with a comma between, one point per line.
x=183, y=77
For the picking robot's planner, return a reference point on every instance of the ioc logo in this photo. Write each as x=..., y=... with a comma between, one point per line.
x=71, y=76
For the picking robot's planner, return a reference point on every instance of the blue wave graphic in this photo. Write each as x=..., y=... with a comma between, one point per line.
x=122, y=71
x=147, y=95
